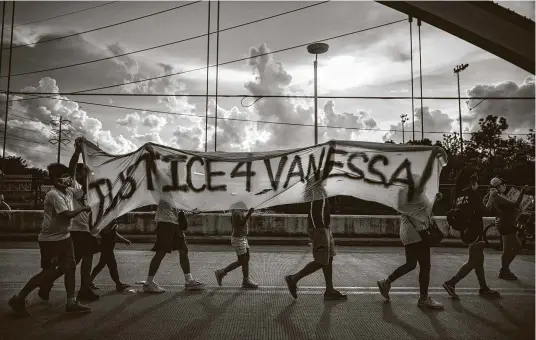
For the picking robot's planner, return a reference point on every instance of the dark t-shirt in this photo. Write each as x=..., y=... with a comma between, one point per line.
x=470, y=203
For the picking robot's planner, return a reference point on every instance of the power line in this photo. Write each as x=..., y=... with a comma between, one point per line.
x=225, y=63
x=107, y=26
x=167, y=44
x=66, y=14
x=30, y=141
x=259, y=121
x=107, y=94
x=39, y=151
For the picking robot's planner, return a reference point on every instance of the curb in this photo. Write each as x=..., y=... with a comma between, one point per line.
x=263, y=240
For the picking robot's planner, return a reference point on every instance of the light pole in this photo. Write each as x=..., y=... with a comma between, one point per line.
x=457, y=70
x=404, y=118
x=316, y=49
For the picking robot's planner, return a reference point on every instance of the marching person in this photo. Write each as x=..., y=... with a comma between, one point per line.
x=240, y=243
x=468, y=200
x=55, y=242
x=416, y=217
x=84, y=243
x=506, y=224
x=109, y=236
x=323, y=244
x=170, y=227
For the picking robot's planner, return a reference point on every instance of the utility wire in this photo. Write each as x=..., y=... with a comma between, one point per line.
x=258, y=121
x=32, y=141
x=225, y=63
x=66, y=14
x=39, y=151
x=244, y=96
x=107, y=26
x=167, y=44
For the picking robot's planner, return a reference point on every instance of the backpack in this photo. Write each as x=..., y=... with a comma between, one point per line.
x=457, y=217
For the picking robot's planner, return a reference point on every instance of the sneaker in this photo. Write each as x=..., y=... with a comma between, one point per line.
x=44, y=293
x=93, y=286
x=486, y=292
x=384, y=287
x=507, y=275
x=121, y=287
x=219, y=276
x=451, y=289
x=194, y=285
x=77, y=308
x=334, y=295
x=249, y=284
x=18, y=306
x=87, y=295
x=429, y=303
x=292, y=288
x=153, y=288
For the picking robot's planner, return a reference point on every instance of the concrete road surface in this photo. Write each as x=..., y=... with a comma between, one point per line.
x=270, y=312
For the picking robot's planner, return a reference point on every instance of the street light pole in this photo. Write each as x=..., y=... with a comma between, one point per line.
x=457, y=70
x=316, y=49
x=404, y=118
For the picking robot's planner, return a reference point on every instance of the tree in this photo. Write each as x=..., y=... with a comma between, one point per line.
x=19, y=166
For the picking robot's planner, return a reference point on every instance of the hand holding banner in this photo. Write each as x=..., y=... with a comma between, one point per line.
x=215, y=181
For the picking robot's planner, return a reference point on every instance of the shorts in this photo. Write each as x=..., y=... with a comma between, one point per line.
x=323, y=245
x=240, y=245
x=84, y=244
x=56, y=253
x=169, y=237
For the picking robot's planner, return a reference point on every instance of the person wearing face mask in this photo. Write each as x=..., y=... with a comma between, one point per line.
x=470, y=204
x=506, y=224
x=85, y=245
x=55, y=243
x=318, y=221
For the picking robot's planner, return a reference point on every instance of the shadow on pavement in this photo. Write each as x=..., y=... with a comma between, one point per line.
x=498, y=326
x=323, y=327
x=390, y=316
x=285, y=319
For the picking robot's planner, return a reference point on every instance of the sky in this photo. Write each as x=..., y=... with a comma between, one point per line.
x=374, y=62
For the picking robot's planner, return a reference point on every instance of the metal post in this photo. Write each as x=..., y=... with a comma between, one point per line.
x=59, y=140
x=208, y=65
x=420, y=71
x=404, y=119
x=315, y=64
x=411, y=61
x=217, y=66
x=8, y=86
x=457, y=70
x=460, y=112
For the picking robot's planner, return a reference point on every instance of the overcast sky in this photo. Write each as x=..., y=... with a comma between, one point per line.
x=371, y=63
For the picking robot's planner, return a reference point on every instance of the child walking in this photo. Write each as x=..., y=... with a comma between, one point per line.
x=109, y=237
x=240, y=243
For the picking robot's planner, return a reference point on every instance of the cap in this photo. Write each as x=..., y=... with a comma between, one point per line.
x=495, y=182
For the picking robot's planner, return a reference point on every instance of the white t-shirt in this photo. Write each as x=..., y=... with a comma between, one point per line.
x=166, y=212
x=81, y=221
x=54, y=228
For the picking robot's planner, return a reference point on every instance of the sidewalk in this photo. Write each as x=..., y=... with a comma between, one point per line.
x=259, y=240
x=271, y=240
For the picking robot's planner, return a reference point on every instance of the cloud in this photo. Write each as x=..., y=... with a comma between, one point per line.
x=344, y=119
x=149, y=137
x=40, y=112
x=434, y=121
x=518, y=113
x=133, y=121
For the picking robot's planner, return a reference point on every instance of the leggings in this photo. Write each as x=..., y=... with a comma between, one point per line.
x=107, y=258
x=476, y=262
x=511, y=247
x=416, y=253
x=243, y=260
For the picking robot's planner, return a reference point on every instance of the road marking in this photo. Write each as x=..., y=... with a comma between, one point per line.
x=312, y=289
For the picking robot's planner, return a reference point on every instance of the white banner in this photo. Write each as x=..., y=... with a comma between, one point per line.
x=219, y=181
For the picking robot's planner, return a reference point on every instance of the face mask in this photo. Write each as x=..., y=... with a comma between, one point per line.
x=65, y=181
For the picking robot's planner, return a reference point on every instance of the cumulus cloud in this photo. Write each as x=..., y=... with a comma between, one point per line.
x=133, y=121
x=518, y=113
x=362, y=121
x=38, y=114
x=434, y=121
